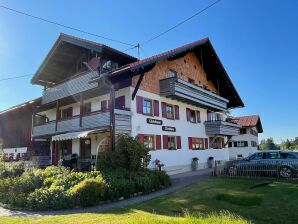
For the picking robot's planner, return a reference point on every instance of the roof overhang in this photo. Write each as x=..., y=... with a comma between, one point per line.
x=60, y=62
x=75, y=135
x=207, y=56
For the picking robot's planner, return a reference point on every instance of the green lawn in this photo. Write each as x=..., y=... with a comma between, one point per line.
x=216, y=200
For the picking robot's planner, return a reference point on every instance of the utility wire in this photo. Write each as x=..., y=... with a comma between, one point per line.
x=180, y=23
x=65, y=26
x=15, y=77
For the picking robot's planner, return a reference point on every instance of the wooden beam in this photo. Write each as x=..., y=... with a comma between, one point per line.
x=57, y=114
x=137, y=86
x=112, y=117
x=81, y=108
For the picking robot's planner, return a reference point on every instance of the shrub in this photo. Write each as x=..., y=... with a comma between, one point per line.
x=13, y=169
x=50, y=198
x=129, y=154
x=88, y=192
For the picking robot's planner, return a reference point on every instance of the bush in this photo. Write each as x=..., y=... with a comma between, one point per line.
x=58, y=188
x=88, y=192
x=51, y=198
x=13, y=169
x=129, y=154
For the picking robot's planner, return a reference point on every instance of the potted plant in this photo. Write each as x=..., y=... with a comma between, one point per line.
x=194, y=164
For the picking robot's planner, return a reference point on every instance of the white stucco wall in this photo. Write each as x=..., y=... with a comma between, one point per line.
x=179, y=160
x=234, y=152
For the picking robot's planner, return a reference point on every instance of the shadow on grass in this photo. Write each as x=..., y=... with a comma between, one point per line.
x=271, y=203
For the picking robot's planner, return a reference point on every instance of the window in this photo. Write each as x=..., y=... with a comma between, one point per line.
x=147, y=106
x=171, y=143
x=243, y=131
x=216, y=143
x=287, y=156
x=191, y=81
x=67, y=113
x=253, y=132
x=192, y=116
x=170, y=111
x=149, y=142
x=197, y=143
x=241, y=144
x=172, y=74
x=272, y=155
x=87, y=108
x=256, y=156
x=254, y=144
x=212, y=116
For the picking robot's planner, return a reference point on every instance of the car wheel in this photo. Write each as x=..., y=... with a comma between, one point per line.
x=232, y=171
x=285, y=172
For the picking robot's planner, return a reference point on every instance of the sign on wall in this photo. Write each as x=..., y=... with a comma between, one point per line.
x=154, y=121
x=168, y=128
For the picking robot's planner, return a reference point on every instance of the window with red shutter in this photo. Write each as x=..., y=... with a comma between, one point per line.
x=176, y=112
x=178, y=140
x=198, y=117
x=164, y=109
x=103, y=105
x=139, y=105
x=165, y=141
x=120, y=102
x=158, y=141
x=190, y=142
x=187, y=114
x=156, y=108
x=141, y=138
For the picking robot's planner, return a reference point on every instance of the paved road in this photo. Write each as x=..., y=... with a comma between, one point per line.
x=178, y=181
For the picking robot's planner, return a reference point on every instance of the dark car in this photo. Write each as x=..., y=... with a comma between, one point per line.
x=266, y=163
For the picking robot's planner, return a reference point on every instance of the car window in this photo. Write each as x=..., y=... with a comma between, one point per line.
x=256, y=156
x=287, y=156
x=273, y=155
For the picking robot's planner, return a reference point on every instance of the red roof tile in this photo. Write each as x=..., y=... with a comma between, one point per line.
x=249, y=121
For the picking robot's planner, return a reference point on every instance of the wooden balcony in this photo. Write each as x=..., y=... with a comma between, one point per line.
x=223, y=128
x=181, y=90
x=95, y=120
x=73, y=86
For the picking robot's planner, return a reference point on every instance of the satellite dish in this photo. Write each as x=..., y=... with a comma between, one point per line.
x=107, y=65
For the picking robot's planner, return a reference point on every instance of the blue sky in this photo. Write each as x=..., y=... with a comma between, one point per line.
x=255, y=40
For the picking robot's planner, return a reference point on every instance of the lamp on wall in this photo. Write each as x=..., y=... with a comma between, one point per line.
x=87, y=142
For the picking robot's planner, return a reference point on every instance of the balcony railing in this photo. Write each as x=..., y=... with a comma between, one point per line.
x=95, y=120
x=71, y=87
x=181, y=90
x=219, y=127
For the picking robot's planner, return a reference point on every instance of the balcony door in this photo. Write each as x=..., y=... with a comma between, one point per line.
x=85, y=149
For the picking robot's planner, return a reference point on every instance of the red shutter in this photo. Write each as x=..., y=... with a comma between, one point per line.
x=206, y=143
x=156, y=108
x=158, y=141
x=198, y=117
x=165, y=141
x=187, y=114
x=69, y=147
x=141, y=138
x=139, y=104
x=190, y=142
x=163, y=109
x=103, y=105
x=120, y=102
x=178, y=139
x=176, y=112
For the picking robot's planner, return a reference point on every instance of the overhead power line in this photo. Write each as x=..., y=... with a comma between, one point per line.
x=65, y=26
x=14, y=77
x=180, y=23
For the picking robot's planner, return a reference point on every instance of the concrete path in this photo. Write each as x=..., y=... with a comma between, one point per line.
x=178, y=181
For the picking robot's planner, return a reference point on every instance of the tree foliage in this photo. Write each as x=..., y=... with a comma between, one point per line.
x=289, y=144
x=268, y=144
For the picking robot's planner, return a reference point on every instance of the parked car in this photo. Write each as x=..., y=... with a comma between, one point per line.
x=266, y=163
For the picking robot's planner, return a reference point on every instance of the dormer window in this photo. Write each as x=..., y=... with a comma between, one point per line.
x=172, y=74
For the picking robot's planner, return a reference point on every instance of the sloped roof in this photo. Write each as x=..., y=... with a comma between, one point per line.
x=207, y=56
x=21, y=105
x=67, y=49
x=249, y=121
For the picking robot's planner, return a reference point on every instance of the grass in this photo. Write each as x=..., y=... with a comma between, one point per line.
x=217, y=200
